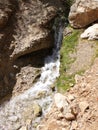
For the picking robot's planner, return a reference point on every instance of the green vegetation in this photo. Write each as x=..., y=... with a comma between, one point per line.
x=69, y=44
x=97, y=48
x=65, y=80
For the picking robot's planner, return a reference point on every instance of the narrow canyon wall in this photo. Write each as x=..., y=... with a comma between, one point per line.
x=25, y=27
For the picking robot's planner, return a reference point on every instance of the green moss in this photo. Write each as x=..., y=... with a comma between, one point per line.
x=65, y=80
x=69, y=44
x=80, y=72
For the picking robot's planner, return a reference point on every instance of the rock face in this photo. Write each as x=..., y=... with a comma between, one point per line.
x=91, y=33
x=25, y=27
x=83, y=13
x=32, y=27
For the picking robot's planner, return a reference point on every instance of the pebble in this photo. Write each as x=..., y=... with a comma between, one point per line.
x=69, y=116
x=37, y=110
x=74, y=125
x=83, y=106
x=71, y=97
x=75, y=109
x=63, y=128
x=23, y=128
x=28, y=122
x=41, y=94
x=60, y=116
x=13, y=118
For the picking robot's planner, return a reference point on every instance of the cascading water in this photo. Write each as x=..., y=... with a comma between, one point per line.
x=13, y=112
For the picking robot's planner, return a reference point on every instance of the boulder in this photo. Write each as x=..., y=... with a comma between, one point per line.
x=70, y=116
x=60, y=101
x=83, y=13
x=91, y=33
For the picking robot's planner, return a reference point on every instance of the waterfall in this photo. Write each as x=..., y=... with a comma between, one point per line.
x=11, y=112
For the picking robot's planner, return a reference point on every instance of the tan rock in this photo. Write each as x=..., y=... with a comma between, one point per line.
x=74, y=125
x=60, y=116
x=60, y=101
x=37, y=109
x=91, y=33
x=23, y=128
x=41, y=94
x=77, y=78
x=83, y=106
x=75, y=109
x=13, y=118
x=63, y=128
x=69, y=116
x=83, y=13
x=25, y=79
x=71, y=97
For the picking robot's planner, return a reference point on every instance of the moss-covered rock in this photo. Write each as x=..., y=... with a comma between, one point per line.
x=77, y=55
x=37, y=110
x=69, y=43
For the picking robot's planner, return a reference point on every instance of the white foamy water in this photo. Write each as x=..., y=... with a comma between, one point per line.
x=14, y=113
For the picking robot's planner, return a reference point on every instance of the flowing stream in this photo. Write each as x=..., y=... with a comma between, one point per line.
x=14, y=113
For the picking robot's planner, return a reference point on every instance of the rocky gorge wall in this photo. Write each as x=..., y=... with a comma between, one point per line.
x=25, y=27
